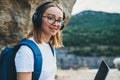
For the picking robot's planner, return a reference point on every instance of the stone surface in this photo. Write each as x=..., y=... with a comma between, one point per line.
x=15, y=18
x=85, y=74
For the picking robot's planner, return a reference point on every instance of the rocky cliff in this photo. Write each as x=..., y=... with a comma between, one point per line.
x=15, y=18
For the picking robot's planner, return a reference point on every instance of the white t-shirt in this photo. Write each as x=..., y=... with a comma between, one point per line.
x=24, y=61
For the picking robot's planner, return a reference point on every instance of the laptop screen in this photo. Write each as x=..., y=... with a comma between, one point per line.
x=102, y=71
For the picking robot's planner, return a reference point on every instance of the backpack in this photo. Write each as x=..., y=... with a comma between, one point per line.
x=7, y=64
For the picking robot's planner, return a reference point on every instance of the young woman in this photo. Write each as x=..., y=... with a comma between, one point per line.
x=47, y=25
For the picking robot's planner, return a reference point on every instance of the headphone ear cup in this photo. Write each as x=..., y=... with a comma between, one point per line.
x=63, y=22
x=37, y=19
x=62, y=27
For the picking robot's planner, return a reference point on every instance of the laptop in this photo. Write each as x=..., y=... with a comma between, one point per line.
x=102, y=71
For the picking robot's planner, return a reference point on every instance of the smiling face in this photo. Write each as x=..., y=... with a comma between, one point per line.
x=51, y=20
x=48, y=20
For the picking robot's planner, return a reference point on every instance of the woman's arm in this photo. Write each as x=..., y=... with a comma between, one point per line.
x=24, y=76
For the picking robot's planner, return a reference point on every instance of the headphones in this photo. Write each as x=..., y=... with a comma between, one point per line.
x=37, y=16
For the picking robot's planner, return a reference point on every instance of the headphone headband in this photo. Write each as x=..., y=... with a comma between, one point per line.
x=42, y=4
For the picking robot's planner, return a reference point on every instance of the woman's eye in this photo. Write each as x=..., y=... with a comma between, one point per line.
x=59, y=20
x=50, y=18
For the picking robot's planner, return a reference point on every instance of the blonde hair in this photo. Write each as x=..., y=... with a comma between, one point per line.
x=55, y=40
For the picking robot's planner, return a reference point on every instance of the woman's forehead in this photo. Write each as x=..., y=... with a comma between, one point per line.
x=54, y=11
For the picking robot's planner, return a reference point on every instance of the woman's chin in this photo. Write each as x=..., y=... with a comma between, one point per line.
x=53, y=33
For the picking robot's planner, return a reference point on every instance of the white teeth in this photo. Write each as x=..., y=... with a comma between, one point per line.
x=53, y=28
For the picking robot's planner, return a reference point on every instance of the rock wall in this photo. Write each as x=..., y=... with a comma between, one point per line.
x=15, y=18
x=67, y=61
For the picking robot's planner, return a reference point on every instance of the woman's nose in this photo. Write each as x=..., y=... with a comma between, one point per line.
x=55, y=23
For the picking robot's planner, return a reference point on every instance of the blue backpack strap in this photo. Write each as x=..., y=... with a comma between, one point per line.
x=37, y=57
x=52, y=48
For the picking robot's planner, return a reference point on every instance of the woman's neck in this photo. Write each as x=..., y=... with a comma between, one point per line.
x=45, y=37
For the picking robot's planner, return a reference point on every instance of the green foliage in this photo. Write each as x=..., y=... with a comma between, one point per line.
x=90, y=28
